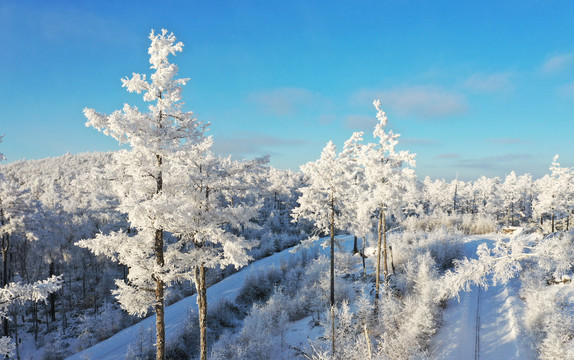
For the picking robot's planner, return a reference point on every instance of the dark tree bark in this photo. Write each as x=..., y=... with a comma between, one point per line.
x=202, y=305
x=379, y=245
x=52, y=297
x=332, y=297
x=159, y=284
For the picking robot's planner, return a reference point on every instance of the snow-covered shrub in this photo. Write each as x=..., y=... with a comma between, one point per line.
x=259, y=285
x=549, y=298
x=443, y=244
x=143, y=346
x=478, y=224
x=465, y=223
x=256, y=339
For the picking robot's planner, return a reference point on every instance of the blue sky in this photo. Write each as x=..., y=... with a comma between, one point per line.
x=474, y=87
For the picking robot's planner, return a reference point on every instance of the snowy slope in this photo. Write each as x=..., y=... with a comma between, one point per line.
x=484, y=324
x=116, y=347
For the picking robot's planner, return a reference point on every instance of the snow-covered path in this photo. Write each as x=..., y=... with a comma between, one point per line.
x=484, y=324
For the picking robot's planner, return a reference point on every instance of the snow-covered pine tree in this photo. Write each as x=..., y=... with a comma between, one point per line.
x=158, y=139
x=386, y=179
x=488, y=201
x=325, y=201
x=2, y=157
x=10, y=293
x=216, y=205
x=555, y=194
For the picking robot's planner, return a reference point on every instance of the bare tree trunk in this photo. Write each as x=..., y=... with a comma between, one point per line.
x=202, y=305
x=553, y=228
x=332, y=332
x=355, y=248
x=332, y=231
x=364, y=257
x=379, y=244
x=392, y=261
x=332, y=297
x=52, y=297
x=385, y=250
x=159, y=283
x=160, y=322
x=5, y=247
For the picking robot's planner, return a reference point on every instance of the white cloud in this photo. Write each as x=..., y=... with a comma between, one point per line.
x=489, y=83
x=506, y=141
x=420, y=101
x=567, y=91
x=361, y=122
x=557, y=63
x=505, y=161
x=418, y=141
x=251, y=144
x=448, y=156
x=284, y=101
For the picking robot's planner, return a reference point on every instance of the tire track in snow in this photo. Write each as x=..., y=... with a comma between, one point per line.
x=483, y=324
x=477, y=328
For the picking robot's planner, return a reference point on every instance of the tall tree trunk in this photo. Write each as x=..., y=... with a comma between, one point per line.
x=553, y=228
x=355, y=248
x=379, y=244
x=52, y=297
x=364, y=256
x=332, y=297
x=332, y=231
x=392, y=261
x=385, y=250
x=159, y=283
x=5, y=247
x=160, y=320
x=202, y=305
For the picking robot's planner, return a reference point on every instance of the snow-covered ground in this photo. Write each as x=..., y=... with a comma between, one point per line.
x=117, y=346
x=484, y=324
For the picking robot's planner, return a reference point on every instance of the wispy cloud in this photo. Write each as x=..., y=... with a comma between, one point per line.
x=252, y=144
x=557, y=63
x=448, y=156
x=360, y=121
x=489, y=83
x=285, y=100
x=506, y=141
x=567, y=91
x=421, y=101
x=418, y=141
x=505, y=161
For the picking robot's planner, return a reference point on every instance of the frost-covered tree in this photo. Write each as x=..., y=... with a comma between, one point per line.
x=213, y=209
x=11, y=220
x=158, y=138
x=488, y=201
x=438, y=196
x=386, y=178
x=555, y=194
x=2, y=157
x=19, y=293
x=325, y=201
x=516, y=194
x=16, y=210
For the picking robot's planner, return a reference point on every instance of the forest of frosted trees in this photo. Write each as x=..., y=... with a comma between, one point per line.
x=92, y=242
